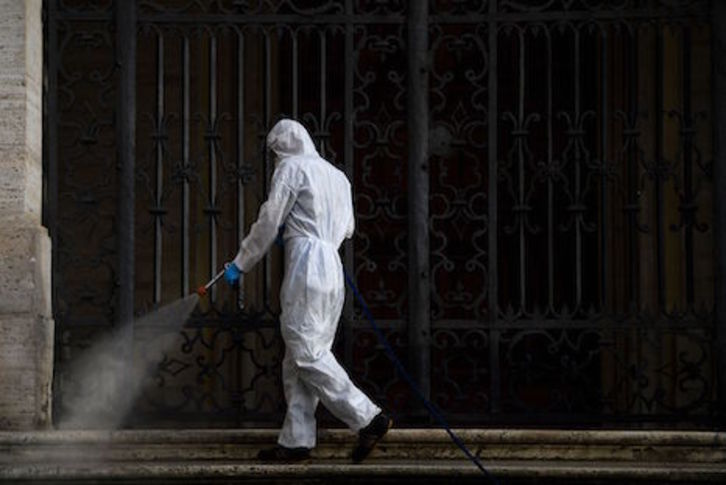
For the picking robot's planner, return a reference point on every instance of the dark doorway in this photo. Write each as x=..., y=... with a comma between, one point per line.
x=561, y=272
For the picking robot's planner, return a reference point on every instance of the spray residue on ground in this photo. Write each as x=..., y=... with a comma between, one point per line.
x=106, y=382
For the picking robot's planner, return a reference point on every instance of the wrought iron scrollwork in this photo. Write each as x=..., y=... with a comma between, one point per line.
x=569, y=182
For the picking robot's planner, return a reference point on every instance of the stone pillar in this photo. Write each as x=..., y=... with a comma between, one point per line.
x=26, y=324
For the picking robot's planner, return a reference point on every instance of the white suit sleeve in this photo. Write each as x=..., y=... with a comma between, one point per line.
x=272, y=215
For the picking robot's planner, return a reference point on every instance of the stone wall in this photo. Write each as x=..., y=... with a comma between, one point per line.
x=26, y=325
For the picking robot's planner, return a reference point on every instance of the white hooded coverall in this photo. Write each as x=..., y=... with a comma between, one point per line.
x=312, y=198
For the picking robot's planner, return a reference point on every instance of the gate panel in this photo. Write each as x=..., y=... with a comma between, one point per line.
x=601, y=207
x=226, y=363
x=200, y=134
x=459, y=209
x=380, y=179
x=570, y=200
x=82, y=181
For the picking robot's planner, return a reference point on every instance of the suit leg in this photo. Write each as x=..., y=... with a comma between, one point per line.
x=299, y=427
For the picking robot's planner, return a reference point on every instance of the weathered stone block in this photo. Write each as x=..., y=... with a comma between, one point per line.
x=12, y=34
x=21, y=182
x=17, y=398
x=12, y=122
x=26, y=354
x=33, y=200
x=26, y=325
x=34, y=124
x=24, y=269
x=33, y=33
x=21, y=132
x=12, y=85
x=12, y=188
x=17, y=335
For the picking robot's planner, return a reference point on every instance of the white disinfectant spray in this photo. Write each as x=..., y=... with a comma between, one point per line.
x=105, y=384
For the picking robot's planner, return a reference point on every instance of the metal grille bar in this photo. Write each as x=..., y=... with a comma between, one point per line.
x=158, y=235
x=418, y=196
x=126, y=146
x=718, y=20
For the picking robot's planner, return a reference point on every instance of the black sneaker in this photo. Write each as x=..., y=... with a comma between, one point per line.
x=282, y=454
x=370, y=435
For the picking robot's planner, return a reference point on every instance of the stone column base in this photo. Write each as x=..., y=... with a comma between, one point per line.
x=26, y=325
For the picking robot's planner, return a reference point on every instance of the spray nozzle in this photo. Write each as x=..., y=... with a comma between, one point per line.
x=202, y=290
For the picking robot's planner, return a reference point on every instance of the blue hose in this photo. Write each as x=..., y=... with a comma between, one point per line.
x=435, y=413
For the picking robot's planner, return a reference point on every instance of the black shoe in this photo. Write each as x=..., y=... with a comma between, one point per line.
x=282, y=454
x=370, y=435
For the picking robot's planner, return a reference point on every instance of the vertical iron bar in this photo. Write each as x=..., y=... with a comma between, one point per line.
x=718, y=47
x=267, y=169
x=240, y=145
x=240, y=370
x=126, y=151
x=604, y=149
x=212, y=160
x=659, y=166
x=578, y=169
x=418, y=195
x=550, y=187
x=295, y=68
x=323, y=88
x=158, y=237
x=493, y=283
x=687, y=134
x=348, y=248
x=268, y=96
x=520, y=171
x=185, y=167
x=631, y=159
x=661, y=177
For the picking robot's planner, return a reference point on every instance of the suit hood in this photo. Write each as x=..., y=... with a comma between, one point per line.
x=288, y=138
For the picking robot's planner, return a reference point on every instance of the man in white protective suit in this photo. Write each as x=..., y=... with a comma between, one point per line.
x=312, y=199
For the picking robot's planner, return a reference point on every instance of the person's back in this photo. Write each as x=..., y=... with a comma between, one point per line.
x=323, y=208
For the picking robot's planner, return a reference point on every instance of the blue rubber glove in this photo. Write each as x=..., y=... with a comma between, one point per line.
x=232, y=274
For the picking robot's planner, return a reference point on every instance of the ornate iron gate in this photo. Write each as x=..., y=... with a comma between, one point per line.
x=533, y=186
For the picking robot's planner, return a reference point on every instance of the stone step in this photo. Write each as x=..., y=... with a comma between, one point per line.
x=510, y=471
x=550, y=456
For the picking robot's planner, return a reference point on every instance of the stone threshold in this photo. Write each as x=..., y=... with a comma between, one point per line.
x=551, y=470
x=183, y=455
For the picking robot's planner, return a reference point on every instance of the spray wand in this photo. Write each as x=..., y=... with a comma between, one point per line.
x=202, y=290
